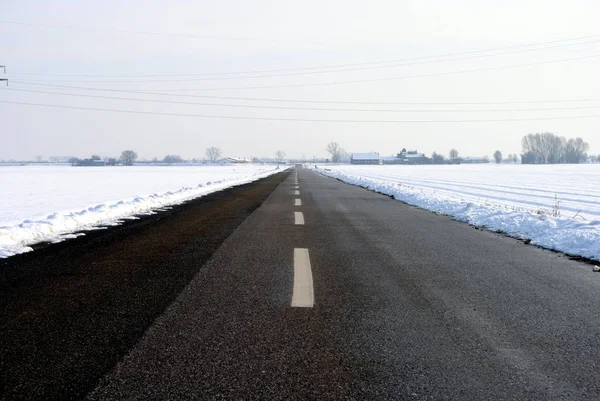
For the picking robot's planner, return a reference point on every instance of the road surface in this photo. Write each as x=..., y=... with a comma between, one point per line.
x=316, y=290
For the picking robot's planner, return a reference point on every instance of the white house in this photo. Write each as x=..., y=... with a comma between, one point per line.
x=233, y=160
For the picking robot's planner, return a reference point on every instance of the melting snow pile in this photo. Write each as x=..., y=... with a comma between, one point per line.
x=555, y=206
x=28, y=192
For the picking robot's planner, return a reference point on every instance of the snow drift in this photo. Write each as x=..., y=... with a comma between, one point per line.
x=555, y=207
x=64, y=187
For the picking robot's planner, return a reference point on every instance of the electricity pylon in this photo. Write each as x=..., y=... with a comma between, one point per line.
x=4, y=79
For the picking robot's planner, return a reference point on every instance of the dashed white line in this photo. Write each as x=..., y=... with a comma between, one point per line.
x=298, y=218
x=297, y=202
x=304, y=294
x=296, y=192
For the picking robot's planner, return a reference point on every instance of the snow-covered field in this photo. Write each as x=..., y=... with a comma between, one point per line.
x=555, y=206
x=50, y=203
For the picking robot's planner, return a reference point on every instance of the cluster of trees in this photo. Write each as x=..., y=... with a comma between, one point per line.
x=438, y=158
x=127, y=158
x=213, y=154
x=511, y=158
x=548, y=148
x=594, y=158
x=172, y=159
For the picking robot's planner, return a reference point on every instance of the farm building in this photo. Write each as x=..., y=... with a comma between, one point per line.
x=390, y=160
x=412, y=157
x=406, y=157
x=364, y=158
x=234, y=160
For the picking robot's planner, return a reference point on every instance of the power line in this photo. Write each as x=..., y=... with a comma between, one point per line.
x=180, y=35
x=297, y=119
x=302, y=100
x=308, y=108
x=306, y=73
x=373, y=79
x=336, y=65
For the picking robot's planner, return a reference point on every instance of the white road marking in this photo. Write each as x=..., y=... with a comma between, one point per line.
x=296, y=192
x=297, y=202
x=297, y=187
x=298, y=218
x=304, y=294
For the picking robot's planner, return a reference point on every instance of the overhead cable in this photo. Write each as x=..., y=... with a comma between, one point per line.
x=297, y=119
x=258, y=99
x=306, y=108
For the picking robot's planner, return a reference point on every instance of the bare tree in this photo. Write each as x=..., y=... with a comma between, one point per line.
x=345, y=157
x=128, y=157
x=575, y=151
x=453, y=154
x=498, y=156
x=213, y=154
x=548, y=148
x=336, y=151
x=280, y=154
x=543, y=148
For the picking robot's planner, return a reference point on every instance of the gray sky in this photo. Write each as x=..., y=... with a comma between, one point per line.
x=84, y=41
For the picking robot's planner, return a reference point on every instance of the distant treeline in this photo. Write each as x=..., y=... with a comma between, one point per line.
x=548, y=148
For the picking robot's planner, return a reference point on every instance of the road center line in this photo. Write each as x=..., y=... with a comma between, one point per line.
x=296, y=192
x=298, y=218
x=304, y=294
x=297, y=202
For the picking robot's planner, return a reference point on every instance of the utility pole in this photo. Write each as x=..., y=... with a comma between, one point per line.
x=4, y=79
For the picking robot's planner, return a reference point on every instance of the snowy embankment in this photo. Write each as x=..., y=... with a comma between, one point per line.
x=50, y=204
x=554, y=206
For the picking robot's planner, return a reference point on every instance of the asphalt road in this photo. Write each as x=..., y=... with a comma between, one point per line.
x=70, y=311
x=329, y=291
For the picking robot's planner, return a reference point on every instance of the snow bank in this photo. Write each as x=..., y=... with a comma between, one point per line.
x=58, y=226
x=574, y=235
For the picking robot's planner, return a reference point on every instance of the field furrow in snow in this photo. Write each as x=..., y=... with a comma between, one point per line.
x=51, y=203
x=555, y=206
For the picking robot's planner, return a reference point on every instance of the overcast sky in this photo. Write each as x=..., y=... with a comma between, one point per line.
x=92, y=44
